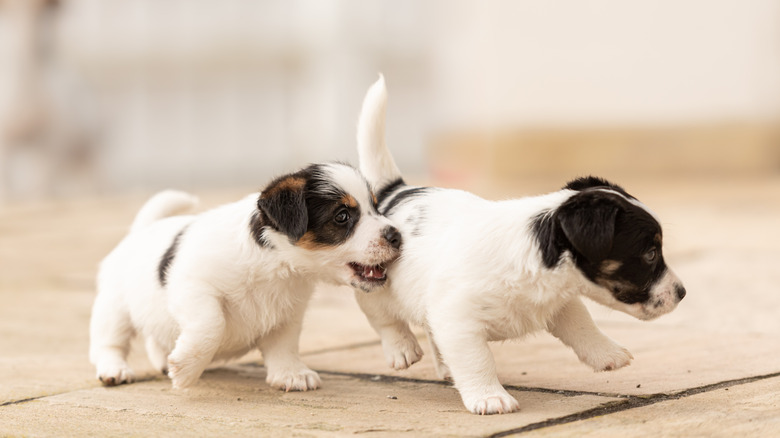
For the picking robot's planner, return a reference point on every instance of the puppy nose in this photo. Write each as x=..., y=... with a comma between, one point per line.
x=680, y=290
x=392, y=236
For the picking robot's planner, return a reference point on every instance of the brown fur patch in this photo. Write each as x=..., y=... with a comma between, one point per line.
x=293, y=183
x=307, y=241
x=613, y=285
x=349, y=201
x=608, y=267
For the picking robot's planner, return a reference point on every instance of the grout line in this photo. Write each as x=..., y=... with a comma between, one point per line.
x=25, y=400
x=390, y=379
x=16, y=402
x=632, y=402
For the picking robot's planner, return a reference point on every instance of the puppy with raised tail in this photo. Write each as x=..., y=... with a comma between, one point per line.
x=213, y=286
x=474, y=271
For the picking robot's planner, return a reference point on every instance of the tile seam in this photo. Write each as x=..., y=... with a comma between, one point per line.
x=632, y=402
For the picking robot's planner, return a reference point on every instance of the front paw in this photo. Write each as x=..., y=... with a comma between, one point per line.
x=606, y=358
x=302, y=379
x=112, y=373
x=401, y=351
x=497, y=402
x=183, y=371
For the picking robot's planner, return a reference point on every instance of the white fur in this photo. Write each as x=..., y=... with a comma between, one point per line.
x=474, y=274
x=225, y=294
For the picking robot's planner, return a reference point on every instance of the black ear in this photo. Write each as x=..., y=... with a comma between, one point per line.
x=588, y=222
x=284, y=205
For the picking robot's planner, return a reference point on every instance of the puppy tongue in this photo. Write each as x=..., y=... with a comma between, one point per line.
x=376, y=272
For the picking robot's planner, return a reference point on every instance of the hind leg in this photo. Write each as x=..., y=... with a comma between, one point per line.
x=110, y=332
x=158, y=355
x=199, y=314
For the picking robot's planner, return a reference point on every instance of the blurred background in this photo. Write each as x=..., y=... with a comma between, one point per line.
x=103, y=102
x=115, y=96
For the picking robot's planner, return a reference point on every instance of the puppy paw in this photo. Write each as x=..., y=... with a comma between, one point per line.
x=443, y=371
x=607, y=358
x=499, y=402
x=113, y=373
x=401, y=352
x=183, y=372
x=302, y=379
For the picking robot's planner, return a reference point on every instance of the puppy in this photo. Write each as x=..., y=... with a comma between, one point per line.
x=211, y=287
x=474, y=271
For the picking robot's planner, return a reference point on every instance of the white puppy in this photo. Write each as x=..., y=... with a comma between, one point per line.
x=213, y=286
x=473, y=270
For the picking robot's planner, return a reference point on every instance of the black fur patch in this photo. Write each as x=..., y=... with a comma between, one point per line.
x=596, y=226
x=167, y=259
x=283, y=204
x=309, y=208
x=400, y=197
x=388, y=189
x=324, y=202
x=549, y=238
x=590, y=182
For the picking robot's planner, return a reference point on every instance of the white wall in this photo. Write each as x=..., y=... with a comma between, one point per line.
x=508, y=62
x=204, y=93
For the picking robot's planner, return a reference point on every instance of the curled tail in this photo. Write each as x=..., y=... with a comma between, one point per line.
x=163, y=204
x=376, y=163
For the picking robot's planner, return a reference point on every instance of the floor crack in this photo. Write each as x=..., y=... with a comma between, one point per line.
x=632, y=402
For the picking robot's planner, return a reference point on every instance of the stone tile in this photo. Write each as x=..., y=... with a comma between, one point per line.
x=743, y=410
x=44, y=338
x=665, y=360
x=234, y=401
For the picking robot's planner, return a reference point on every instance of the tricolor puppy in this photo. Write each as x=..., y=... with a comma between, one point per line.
x=213, y=286
x=474, y=270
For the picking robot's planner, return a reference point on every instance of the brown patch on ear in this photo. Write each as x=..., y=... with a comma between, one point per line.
x=308, y=242
x=373, y=197
x=283, y=205
x=349, y=201
x=608, y=267
x=292, y=182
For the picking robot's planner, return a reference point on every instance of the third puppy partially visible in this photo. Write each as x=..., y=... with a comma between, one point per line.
x=474, y=270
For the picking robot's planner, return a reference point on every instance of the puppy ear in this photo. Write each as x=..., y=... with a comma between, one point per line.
x=588, y=222
x=284, y=205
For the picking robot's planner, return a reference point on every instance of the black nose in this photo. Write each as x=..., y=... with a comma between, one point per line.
x=680, y=290
x=392, y=236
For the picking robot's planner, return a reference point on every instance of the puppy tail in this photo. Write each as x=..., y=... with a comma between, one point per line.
x=376, y=163
x=163, y=204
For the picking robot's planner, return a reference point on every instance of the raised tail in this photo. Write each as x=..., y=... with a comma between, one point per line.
x=376, y=163
x=163, y=204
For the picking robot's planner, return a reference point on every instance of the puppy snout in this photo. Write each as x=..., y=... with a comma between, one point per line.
x=392, y=236
x=680, y=291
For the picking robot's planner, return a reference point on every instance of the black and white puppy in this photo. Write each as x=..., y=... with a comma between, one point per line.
x=474, y=270
x=213, y=286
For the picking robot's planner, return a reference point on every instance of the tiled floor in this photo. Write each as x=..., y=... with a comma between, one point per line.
x=711, y=368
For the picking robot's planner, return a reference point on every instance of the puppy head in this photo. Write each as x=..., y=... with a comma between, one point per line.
x=326, y=214
x=616, y=242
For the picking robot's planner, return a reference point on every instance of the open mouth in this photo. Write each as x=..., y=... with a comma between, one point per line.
x=370, y=274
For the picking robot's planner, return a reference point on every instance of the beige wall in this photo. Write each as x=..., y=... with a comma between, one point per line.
x=218, y=93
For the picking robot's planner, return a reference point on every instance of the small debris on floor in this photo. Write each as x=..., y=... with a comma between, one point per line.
x=392, y=397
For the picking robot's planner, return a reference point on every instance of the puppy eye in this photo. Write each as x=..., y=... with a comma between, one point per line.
x=341, y=217
x=650, y=256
